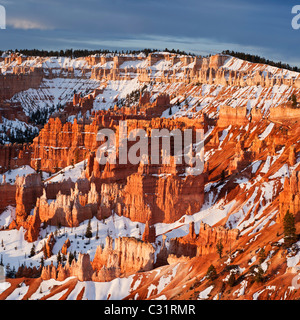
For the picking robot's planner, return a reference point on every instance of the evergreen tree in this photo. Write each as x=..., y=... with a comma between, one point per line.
x=42, y=262
x=71, y=257
x=32, y=251
x=58, y=258
x=231, y=280
x=262, y=255
x=294, y=100
x=97, y=232
x=211, y=273
x=259, y=274
x=220, y=248
x=88, y=232
x=289, y=229
x=223, y=175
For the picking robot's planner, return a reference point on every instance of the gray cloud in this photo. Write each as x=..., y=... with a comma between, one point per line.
x=262, y=27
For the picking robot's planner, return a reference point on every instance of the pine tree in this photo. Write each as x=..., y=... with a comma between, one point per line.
x=42, y=262
x=58, y=258
x=294, y=100
x=71, y=257
x=231, y=280
x=259, y=274
x=211, y=273
x=32, y=251
x=88, y=232
x=223, y=175
x=45, y=251
x=289, y=229
x=97, y=232
x=220, y=248
x=262, y=255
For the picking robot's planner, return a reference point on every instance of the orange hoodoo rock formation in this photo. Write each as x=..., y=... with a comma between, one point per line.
x=81, y=269
x=14, y=155
x=122, y=256
x=68, y=210
x=10, y=84
x=289, y=198
x=204, y=242
x=28, y=189
x=125, y=257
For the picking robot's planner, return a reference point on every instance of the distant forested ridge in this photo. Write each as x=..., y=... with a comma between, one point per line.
x=257, y=59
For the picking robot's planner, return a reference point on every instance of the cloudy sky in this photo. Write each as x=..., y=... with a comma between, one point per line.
x=260, y=27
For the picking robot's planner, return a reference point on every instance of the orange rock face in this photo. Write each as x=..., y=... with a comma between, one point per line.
x=128, y=256
x=28, y=189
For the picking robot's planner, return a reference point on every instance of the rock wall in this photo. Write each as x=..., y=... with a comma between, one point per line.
x=28, y=189
x=81, y=269
x=204, y=242
x=14, y=155
x=289, y=198
x=68, y=210
x=10, y=84
x=122, y=256
x=8, y=195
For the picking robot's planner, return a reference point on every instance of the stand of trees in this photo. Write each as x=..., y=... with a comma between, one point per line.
x=84, y=52
x=258, y=59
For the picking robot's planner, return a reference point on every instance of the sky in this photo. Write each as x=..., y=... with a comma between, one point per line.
x=261, y=27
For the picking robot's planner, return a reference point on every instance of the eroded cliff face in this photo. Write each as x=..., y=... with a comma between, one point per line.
x=205, y=242
x=68, y=210
x=250, y=178
x=122, y=257
x=14, y=155
x=119, y=258
x=28, y=189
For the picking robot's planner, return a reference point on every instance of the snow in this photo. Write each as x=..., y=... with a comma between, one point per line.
x=70, y=172
x=4, y=286
x=7, y=216
x=116, y=289
x=166, y=279
x=205, y=293
x=281, y=173
x=266, y=132
x=16, y=250
x=11, y=175
x=293, y=260
x=53, y=92
x=255, y=165
x=45, y=288
x=19, y=292
x=266, y=166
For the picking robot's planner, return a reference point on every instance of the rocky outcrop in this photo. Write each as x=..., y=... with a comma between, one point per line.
x=81, y=269
x=28, y=189
x=48, y=246
x=65, y=247
x=122, y=256
x=68, y=210
x=204, y=242
x=284, y=113
x=8, y=195
x=10, y=84
x=148, y=197
x=13, y=156
x=289, y=198
x=232, y=116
